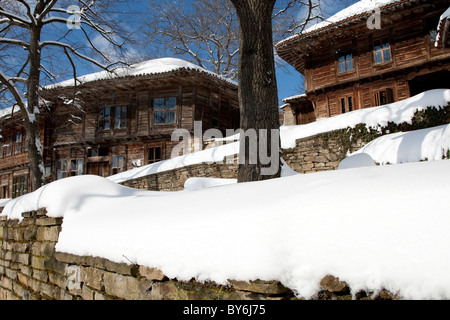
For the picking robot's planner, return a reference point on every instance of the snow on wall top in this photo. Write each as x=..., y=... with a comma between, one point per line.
x=150, y=67
x=358, y=9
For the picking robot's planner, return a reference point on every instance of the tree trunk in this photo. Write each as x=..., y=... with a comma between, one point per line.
x=258, y=97
x=35, y=151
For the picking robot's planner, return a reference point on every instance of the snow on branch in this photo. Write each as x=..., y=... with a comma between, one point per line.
x=15, y=42
x=74, y=51
x=13, y=18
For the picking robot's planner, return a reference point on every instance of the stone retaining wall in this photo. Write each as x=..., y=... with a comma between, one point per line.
x=321, y=152
x=317, y=153
x=31, y=269
x=174, y=180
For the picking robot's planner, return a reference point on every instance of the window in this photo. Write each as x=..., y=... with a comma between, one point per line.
x=104, y=119
x=76, y=167
x=154, y=154
x=109, y=116
x=4, y=192
x=61, y=170
x=164, y=110
x=383, y=97
x=98, y=152
x=343, y=105
x=120, y=118
x=345, y=62
x=18, y=147
x=382, y=50
x=118, y=164
x=347, y=104
x=8, y=146
x=19, y=186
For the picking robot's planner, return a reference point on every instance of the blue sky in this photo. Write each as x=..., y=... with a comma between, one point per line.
x=290, y=82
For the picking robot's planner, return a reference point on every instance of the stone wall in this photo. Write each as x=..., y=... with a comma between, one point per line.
x=174, y=180
x=31, y=269
x=321, y=152
x=317, y=153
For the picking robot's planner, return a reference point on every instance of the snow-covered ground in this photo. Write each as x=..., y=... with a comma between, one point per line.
x=373, y=227
x=402, y=147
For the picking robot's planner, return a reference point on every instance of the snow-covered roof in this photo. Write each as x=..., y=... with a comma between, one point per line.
x=298, y=96
x=146, y=68
x=359, y=9
x=442, y=28
x=8, y=112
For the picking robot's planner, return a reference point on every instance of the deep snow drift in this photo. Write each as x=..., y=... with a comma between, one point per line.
x=373, y=227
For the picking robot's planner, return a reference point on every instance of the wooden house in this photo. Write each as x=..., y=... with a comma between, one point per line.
x=109, y=123
x=369, y=54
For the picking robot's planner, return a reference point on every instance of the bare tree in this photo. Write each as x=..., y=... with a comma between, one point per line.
x=30, y=27
x=205, y=32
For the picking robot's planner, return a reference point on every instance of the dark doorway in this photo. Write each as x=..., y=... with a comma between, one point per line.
x=435, y=80
x=98, y=168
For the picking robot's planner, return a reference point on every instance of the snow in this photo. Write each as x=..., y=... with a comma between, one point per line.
x=357, y=160
x=373, y=227
x=398, y=112
x=3, y=202
x=427, y=144
x=202, y=183
x=150, y=67
x=443, y=22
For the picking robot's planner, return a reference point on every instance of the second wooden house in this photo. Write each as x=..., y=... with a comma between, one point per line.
x=369, y=54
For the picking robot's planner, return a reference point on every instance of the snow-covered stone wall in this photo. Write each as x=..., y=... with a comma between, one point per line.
x=174, y=180
x=31, y=269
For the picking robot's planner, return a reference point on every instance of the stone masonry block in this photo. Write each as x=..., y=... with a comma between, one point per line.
x=48, y=233
x=126, y=287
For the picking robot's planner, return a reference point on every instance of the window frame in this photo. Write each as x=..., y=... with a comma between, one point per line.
x=104, y=121
x=78, y=169
x=382, y=50
x=120, y=165
x=61, y=169
x=152, y=150
x=165, y=110
x=18, y=143
x=120, y=117
x=389, y=96
x=20, y=186
x=8, y=146
x=345, y=61
x=113, y=118
x=347, y=104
